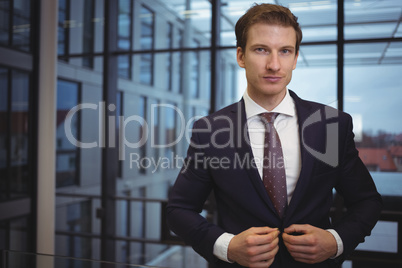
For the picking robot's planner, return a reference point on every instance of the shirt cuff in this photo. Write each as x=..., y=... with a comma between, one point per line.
x=221, y=247
x=339, y=243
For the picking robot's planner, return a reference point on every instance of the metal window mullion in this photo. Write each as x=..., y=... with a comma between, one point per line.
x=11, y=23
x=67, y=30
x=8, y=132
x=93, y=12
x=109, y=153
x=77, y=179
x=340, y=53
x=128, y=227
x=215, y=42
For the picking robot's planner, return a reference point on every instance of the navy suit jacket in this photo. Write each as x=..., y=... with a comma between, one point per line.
x=220, y=159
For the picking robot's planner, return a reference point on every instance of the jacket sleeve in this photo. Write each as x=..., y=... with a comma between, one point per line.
x=187, y=197
x=361, y=199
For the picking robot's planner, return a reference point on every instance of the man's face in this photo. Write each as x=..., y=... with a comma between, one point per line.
x=269, y=59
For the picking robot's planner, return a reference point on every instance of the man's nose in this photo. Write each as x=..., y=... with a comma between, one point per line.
x=273, y=63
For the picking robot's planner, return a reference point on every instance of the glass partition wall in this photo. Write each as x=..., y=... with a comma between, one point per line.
x=134, y=75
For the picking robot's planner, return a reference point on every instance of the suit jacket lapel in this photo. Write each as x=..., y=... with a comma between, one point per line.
x=244, y=151
x=307, y=161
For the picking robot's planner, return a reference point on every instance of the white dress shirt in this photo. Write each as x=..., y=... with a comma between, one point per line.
x=287, y=127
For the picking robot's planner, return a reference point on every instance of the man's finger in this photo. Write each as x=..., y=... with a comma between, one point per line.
x=265, y=238
x=297, y=229
x=301, y=240
x=263, y=230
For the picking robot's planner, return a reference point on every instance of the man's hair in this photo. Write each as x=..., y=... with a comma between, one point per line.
x=269, y=14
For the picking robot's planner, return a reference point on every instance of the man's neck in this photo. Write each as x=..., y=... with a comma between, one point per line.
x=268, y=102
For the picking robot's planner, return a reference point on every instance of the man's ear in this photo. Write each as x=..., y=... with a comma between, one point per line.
x=240, y=57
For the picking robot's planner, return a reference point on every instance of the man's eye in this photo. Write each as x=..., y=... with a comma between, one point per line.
x=260, y=49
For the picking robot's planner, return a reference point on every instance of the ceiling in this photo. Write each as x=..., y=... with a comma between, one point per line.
x=364, y=19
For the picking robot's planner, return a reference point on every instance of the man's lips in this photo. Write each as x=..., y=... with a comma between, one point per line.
x=272, y=78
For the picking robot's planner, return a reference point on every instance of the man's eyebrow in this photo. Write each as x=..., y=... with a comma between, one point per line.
x=263, y=45
x=258, y=45
x=289, y=46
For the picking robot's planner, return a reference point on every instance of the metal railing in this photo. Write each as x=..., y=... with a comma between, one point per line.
x=18, y=259
x=175, y=253
x=359, y=259
x=374, y=259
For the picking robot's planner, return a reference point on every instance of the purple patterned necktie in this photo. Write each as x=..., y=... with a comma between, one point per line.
x=274, y=177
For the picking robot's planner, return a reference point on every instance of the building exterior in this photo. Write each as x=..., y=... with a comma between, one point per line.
x=377, y=159
x=396, y=153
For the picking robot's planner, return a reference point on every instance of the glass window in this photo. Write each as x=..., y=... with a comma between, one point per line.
x=62, y=35
x=371, y=53
x=178, y=76
x=124, y=25
x=169, y=35
x=67, y=150
x=124, y=41
x=15, y=24
x=4, y=231
x=372, y=19
x=124, y=66
x=79, y=220
x=80, y=31
x=19, y=127
x=147, y=28
x=195, y=72
x=16, y=234
x=372, y=96
x=165, y=130
x=196, y=14
x=171, y=128
x=4, y=22
x=318, y=19
x=205, y=74
x=22, y=25
x=227, y=90
x=132, y=223
x=143, y=128
x=392, y=54
x=155, y=135
x=147, y=43
x=146, y=66
x=169, y=56
x=119, y=114
x=74, y=217
x=134, y=134
x=315, y=76
x=3, y=132
x=14, y=134
x=19, y=234
x=88, y=32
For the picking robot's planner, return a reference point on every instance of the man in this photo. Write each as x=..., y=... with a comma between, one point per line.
x=230, y=156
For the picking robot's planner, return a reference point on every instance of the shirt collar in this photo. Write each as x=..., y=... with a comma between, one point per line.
x=286, y=106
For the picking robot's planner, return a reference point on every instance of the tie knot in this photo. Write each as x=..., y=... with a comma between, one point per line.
x=268, y=117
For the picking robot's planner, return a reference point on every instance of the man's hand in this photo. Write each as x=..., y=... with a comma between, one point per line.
x=255, y=247
x=311, y=245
